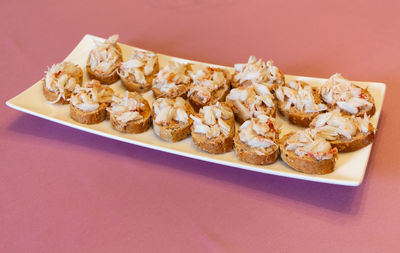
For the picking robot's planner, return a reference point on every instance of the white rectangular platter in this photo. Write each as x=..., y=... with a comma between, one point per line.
x=350, y=167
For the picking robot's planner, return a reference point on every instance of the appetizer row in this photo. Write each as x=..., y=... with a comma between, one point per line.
x=337, y=113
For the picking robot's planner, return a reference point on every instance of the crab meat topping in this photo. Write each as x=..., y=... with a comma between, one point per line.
x=259, y=132
x=307, y=143
x=299, y=95
x=128, y=107
x=213, y=120
x=60, y=79
x=258, y=71
x=91, y=95
x=140, y=65
x=251, y=100
x=207, y=80
x=347, y=96
x=168, y=110
x=105, y=57
x=333, y=125
x=171, y=76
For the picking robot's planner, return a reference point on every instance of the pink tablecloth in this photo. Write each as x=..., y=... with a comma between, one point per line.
x=62, y=190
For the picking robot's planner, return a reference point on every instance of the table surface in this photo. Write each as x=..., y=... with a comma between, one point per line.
x=62, y=190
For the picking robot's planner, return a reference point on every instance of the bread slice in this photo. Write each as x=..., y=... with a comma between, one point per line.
x=89, y=117
x=217, y=96
x=357, y=142
x=54, y=97
x=201, y=94
x=173, y=74
x=248, y=154
x=216, y=144
x=258, y=71
x=242, y=110
x=105, y=78
x=298, y=117
x=174, y=131
x=305, y=164
x=370, y=112
x=134, y=126
x=131, y=84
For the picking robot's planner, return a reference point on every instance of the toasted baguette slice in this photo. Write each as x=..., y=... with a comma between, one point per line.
x=370, y=112
x=305, y=164
x=257, y=140
x=337, y=92
x=132, y=126
x=214, y=144
x=173, y=131
x=201, y=94
x=91, y=93
x=138, y=72
x=175, y=78
x=248, y=154
x=258, y=71
x=89, y=117
x=243, y=110
x=300, y=117
x=73, y=70
x=357, y=142
x=343, y=131
x=131, y=84
x=106, y=78
x=52, y=96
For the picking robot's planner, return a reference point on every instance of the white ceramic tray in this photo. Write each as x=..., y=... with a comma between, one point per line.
x=350, y=168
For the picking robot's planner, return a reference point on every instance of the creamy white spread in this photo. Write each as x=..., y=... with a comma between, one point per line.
x=347, y=96
x=251, y=100
x=59, y=79
x=308, y=143
x=89, y=97
x=207, y=80
x=258, y=71
x=333, y=125
x=104, y=58
x=300, y=95
x=140, y=65
x=172, y=75
x=212, y=120
x=166, y=110
x=259, y=132
x=127, y=108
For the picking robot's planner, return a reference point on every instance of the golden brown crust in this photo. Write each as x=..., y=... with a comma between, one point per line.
x=89, y=117
x=305, y=164
x=134, y=126
x=247, y=153
x=130, y=83
x=215, y=145
x=105, y=78
x=175, y=131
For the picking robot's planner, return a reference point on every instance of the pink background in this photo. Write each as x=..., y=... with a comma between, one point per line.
x=62, y=190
